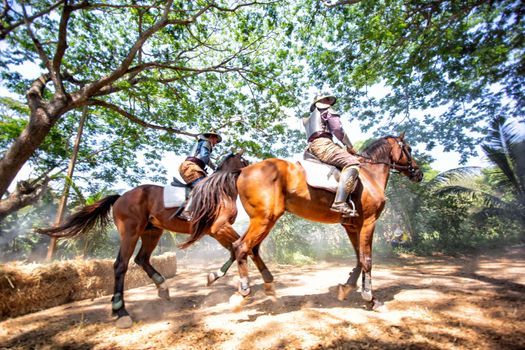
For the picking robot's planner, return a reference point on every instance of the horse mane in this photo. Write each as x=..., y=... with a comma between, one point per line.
x=208, y=196
x=379, y=149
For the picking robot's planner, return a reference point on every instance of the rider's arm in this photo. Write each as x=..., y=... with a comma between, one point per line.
x=336, y=128
x=204, y=152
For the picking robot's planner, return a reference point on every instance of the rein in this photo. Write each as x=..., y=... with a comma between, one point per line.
x=394, y=165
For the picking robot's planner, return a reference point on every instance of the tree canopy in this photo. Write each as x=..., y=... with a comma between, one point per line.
x=156, y=73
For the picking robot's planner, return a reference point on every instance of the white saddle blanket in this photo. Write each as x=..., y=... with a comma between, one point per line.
x=174, y=196
x=320, y=175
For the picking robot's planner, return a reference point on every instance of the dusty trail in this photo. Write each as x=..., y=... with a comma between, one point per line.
x=430, y=303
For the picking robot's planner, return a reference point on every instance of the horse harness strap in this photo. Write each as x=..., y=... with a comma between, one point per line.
x=394, y=165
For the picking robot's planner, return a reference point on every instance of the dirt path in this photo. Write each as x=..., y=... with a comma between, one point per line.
x=430, y=303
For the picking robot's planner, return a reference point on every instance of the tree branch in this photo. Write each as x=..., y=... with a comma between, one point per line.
x=235, y=8
x=122, y=69
x=62, y=37
x=25, y=194
x=38, y=45
x=35, y=92
x=328, y=3
x=100, y=103
x=4, y=31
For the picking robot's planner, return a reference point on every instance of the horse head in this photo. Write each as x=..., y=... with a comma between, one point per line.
x=402, y=160
x=232, y=161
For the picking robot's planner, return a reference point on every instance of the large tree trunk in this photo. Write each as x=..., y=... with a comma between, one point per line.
x=42, y=119
x=24, y=146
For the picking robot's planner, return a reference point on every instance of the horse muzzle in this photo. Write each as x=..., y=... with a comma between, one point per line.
x=416, y=175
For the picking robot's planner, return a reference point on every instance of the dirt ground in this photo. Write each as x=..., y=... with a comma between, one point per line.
x=471, y=302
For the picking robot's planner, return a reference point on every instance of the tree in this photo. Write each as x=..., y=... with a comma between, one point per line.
x=164, y=66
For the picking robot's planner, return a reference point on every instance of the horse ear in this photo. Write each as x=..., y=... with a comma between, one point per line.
x=402, y=136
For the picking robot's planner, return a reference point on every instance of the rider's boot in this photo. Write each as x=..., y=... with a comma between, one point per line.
x=347, y=184
x=183, y=212
x=186, y=214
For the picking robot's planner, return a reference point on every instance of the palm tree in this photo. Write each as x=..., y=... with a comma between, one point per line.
x=504, y=147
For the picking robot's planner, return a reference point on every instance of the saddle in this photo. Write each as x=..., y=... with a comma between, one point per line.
x=322, y=175
x=319, y=174
x=176, y=193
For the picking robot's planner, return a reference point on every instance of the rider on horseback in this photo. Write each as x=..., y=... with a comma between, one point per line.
x=192, y=170
x=322, y=124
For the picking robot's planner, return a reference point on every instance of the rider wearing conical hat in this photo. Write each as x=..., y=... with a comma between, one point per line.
x=192, y=170
x=321, y=126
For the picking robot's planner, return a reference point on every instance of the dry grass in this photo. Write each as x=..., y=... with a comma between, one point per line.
x=29, y=288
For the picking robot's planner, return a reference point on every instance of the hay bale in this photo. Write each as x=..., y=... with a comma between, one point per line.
x=26, y=288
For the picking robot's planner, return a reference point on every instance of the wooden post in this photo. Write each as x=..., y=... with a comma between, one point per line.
x=65, y=193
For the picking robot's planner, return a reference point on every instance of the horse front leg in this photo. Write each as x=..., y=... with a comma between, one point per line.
x=241, y=254
x=365, y=258
x=225, y=234
x=215, y=275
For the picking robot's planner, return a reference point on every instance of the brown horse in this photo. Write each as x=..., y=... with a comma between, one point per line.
x=140, y=213
x=269, y=188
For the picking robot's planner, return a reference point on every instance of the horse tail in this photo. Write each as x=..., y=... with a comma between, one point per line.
x=84, y=219
x=207, y=198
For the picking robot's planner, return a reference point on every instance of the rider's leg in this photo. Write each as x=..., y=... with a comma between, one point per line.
x=347, y=185
x=186, y=213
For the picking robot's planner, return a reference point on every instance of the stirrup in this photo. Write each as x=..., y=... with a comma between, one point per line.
x=185, y=215
x=345, y=210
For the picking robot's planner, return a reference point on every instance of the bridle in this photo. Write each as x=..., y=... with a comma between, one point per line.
x=412, y=172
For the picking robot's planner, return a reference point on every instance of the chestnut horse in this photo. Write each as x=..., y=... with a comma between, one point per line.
x=269, y=188
x=140, y=213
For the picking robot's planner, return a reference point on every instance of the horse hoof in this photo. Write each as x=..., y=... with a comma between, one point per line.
x=342, y=291
x=164, y=293
x=237, y=301
x=378, y=306
x=269, y=289
x=367, y=295
x=212, y=277
x=124, y=322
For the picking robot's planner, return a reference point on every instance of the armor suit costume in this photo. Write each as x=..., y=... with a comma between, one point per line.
x=192, y=170
x=322, y=124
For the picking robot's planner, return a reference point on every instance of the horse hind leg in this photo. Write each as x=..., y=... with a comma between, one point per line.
x=120, y=266
x=150, y=238
x=265, y=272
x=351, y=284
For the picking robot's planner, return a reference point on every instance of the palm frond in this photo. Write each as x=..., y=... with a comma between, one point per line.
x=500, y=158
x=505, y=148
x=455, y=175
x=517, y=155
x=77, y=190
